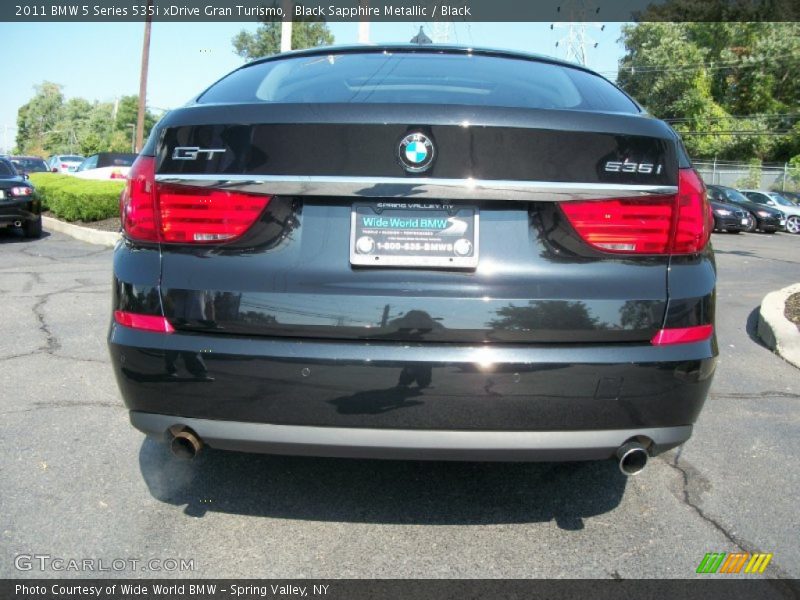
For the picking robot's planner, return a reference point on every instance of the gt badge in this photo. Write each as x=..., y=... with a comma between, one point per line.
x=191, y=152
x=416, y=152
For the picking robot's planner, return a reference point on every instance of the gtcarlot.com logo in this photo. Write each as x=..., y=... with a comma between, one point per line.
x=733, y=563
x=46, y=562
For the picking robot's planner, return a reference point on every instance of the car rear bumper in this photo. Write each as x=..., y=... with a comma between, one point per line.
x=12, y=211
x=396, y=400
x=411, y=444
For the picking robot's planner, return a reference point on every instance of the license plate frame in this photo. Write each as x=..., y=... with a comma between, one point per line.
x=410, y=235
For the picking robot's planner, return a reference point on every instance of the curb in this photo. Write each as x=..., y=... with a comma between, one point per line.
x=775, y=330
x=84, y=234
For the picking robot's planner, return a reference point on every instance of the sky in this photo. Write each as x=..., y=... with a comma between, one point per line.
x=100, y=61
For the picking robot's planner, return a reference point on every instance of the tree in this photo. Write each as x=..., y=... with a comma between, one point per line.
x=753, y=177
x=267, y=38
x=729, y=88
x=38, y=119
x=127, y=109
x=48, y=125
x=793, y=179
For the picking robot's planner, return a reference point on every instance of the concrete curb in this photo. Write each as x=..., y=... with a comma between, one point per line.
x=84, y=234
x=775, y=330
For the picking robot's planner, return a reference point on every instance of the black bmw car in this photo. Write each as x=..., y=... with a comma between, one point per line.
x=763, y=218
x=19, y=204
x=415, y=252
x=730, y=217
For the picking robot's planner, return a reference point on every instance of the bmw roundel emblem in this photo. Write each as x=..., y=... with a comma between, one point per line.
x=416, y=152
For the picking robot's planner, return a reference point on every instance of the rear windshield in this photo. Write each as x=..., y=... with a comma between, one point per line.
x=30, y=164
x=419, y=78
x=124, y=160
x=6, y=170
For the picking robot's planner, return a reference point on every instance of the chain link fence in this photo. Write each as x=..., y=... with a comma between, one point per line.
x=766, y=176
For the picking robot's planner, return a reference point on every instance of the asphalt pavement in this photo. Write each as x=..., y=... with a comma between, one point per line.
x=78, y=482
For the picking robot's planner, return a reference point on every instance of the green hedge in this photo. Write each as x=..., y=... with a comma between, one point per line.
x=74, y=199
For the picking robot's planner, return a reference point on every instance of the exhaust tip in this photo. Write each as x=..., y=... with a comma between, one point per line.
x=185, y=444
x=632, y=458
x=17, y=223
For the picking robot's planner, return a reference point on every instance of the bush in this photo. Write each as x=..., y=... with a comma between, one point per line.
x=74, y=199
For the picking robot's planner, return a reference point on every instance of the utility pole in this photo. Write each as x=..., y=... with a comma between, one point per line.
x=148, y=21
x=363, y=24
x=133, y=136
x=286, y=25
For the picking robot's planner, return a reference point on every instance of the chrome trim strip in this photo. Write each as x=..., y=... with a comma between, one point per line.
x=417, y=187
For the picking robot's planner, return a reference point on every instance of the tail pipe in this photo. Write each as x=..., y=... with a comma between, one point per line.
x=632, y=458
x=17, y=223
x=185, y=443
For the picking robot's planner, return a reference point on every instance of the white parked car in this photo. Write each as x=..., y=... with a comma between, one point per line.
x=105, y=165
x=64, y=163
x=774, y=199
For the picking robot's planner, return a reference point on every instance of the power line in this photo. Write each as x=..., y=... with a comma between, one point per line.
x=742, y=132
x=711, y=66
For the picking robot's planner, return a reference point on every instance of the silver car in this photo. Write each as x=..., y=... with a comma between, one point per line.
x=774, y=199
x=64, y=163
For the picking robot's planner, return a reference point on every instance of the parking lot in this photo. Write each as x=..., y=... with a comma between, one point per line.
x=78, y=482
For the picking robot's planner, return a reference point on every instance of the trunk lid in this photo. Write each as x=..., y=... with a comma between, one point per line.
x=535, y=281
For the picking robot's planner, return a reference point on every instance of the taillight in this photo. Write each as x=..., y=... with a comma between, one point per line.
x=679, y=224
x=180, y=214
x=190, y=214
x=137, y=205
x=695, y=221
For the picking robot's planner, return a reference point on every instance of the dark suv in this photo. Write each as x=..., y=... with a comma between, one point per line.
x=415, y=252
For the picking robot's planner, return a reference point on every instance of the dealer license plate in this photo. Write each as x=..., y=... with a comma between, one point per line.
x=414, y=234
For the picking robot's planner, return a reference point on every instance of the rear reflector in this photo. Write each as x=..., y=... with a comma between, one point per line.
x=682, y=335
x=679, y=224
x=143, y=322
x=156, y=212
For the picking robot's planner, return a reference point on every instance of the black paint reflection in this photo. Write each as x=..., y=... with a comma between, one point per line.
x=554, y=314
x=192, y=361
x=376, y=402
